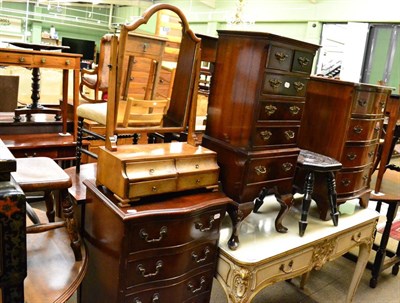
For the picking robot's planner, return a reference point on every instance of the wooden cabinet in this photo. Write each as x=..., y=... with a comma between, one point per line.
x=163, y=249
x=255, y=108
x=343, y=120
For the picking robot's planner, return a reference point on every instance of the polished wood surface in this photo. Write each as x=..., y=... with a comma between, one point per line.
x=266, y=257
x=46, y=59
x=53, y=274
x=162, y=249
x=78, y=189
x=343, y=120
x=254, y=112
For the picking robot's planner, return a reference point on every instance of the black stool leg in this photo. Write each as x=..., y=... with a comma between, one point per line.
x=332, y=197
x=308, y=189
x=381, y=252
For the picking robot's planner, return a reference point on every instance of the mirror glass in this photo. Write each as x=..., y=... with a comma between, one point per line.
x=156, y=74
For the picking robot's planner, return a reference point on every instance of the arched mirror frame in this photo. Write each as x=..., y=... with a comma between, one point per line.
x=182, y=110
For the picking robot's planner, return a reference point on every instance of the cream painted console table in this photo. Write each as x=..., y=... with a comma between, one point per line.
x=265, y=256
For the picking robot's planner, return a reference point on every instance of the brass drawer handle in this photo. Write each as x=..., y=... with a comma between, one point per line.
x=21, y=59
x=144, y=235
x=275, y=83
x=298, y=86
x=194, y=290
x=346, y=182
x=200, y=226
x=370, y=154
x=151, y=171
x=362, y=102
x=294, y=110
x=287, y=166
x=365, y=178
x=377, y=128
x=154, y=189
x=351, y=156
x=303, y=61
x=145, y=47
x=289, y=269
x=270, y=109
x=142, y=270
x=196, y=257
x=356, y=238
x=43, y=60
x=382, y=104
x=281, y=56
x=196, y=166
x=260, y=170
x=357, y=129
x=67, y=62
x=266, y=134
x=155, y=299
x=289, y=134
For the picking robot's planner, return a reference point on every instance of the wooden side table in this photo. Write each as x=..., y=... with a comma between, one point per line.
x=266, y=257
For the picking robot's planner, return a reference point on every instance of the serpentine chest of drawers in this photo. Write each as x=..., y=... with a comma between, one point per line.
x=343, y=120
x=161, y=250
x=255, y=108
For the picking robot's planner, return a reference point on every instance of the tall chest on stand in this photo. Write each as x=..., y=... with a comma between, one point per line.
x=255, y=108
x=344, y=120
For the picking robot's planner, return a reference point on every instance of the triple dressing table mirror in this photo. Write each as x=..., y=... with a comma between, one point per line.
x=143, y=56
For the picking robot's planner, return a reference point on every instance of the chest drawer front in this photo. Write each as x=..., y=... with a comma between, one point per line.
x=196, y=164
x=54, y=62
x=181, y=230
x=146, y=188
x=264, y=169
x=353, y=238
x=145, y=46
x=354, y=156
x=284, y=85
x=198, y=179
x=9, y=58
x=275, y=110
x=275, y=136
x=302, y=62
x=252, y=190
x=349, y=182
x=150, y=169
x=280, y=58
x=364, y=130
x=169, y=265
x=182, y=290
x=366, y=102
x=51, y=153
x=285, y=267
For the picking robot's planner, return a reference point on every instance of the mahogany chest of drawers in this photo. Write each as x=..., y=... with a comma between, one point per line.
x=162, y=250
x=343, y=120
x=255, y=107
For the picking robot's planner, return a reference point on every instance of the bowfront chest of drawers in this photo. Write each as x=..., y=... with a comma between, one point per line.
x=255, y=108
x=161, y=250
x=343, y=120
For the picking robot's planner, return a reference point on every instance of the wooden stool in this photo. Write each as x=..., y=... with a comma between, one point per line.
x=44, y=175
x=312, y=162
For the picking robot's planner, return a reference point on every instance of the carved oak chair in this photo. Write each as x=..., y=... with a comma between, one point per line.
x=97, y=79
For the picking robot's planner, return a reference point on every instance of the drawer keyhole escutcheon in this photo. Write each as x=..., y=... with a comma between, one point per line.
x=144, y=235
x=270, y=109
x=196, y=257
x=362, y=102
x=142, y=270
x=281, y=56
x=266, y=134
x=194, y=290
x=298, y=86
x=294, y=110
x=145, y=47
x=289, y=134
x=351, y=156
x=202, y=228
x=358, y=129
x=346, y=182
x=303, y=61
x=289, y=268
x=260, y=170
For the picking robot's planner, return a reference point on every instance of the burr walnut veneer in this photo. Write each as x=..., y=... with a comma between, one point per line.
x=255, y=107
